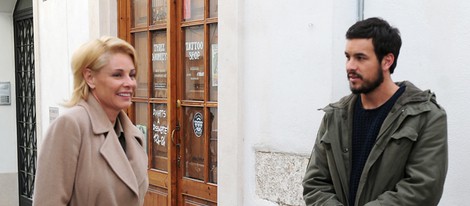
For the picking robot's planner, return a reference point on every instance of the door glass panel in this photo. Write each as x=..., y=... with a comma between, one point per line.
x=141, y=114
x=193, y=9
x=213, y=146
x=193, y=138
x=194, y=63
x=159, y=12
x=213, y=8
x=140, y=45
x=214, y=69
x=159, y=63
x=139, y=13
x=160, y=137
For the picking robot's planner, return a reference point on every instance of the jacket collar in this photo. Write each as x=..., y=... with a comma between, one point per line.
x=412, y=94
x=124, y=165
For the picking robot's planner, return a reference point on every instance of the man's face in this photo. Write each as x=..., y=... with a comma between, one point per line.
x=364, y=72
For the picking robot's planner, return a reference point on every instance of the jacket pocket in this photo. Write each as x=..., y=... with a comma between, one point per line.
x=398, y=148
x=405, y=134
x=393, y=160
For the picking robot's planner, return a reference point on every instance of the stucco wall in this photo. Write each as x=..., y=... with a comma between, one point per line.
x=8, y=152
x=291, y=53
x=7, y=71
x=62, y=27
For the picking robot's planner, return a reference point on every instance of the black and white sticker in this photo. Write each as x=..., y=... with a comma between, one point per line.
x=198, y=124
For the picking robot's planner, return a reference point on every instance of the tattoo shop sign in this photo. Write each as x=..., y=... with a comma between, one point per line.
x=194, y=49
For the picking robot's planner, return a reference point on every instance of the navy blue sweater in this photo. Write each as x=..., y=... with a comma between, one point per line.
x=366, y=126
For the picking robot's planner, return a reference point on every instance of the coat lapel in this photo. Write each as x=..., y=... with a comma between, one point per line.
x=135, y=152
x=114, y=154
x=111, y=149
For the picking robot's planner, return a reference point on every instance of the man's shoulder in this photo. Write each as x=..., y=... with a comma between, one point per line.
x=342, y=103
x=413, y=94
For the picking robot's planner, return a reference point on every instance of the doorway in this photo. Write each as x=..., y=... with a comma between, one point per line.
x=25, y=99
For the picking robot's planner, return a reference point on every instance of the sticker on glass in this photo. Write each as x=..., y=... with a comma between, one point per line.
x=198, y=124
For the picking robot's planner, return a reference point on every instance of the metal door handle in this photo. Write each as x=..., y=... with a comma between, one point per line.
x=177, y=128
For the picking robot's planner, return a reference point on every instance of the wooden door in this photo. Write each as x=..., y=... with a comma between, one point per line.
x=197, y=92
x=175, y=104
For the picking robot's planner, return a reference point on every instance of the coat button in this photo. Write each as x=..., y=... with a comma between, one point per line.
x=346, y=150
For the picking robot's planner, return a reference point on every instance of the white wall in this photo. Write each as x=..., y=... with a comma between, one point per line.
x=63, y=25
x=435, y=51
x=287, y=53
x=8, y=151
x=279, y=65
x=289, y=61
x=7, y=70
x=292, y=62
x=230, y=151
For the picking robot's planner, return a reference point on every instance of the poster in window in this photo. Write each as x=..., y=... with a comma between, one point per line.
x=187, y=9
x=214, y=64
x=143, y=129
x=159, y=14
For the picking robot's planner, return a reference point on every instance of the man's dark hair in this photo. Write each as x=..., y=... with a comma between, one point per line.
x=385, y=38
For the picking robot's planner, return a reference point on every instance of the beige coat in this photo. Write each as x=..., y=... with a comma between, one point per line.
x=82, y=163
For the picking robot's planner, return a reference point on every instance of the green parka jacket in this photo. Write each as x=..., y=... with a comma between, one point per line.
x=406, y=166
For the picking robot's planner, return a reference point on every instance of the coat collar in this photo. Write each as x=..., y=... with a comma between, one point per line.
x=125, y=166
x=101, y=124
x=412, y=94
x=99, y=120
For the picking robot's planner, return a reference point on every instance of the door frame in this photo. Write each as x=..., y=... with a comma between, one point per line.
x=25, y=113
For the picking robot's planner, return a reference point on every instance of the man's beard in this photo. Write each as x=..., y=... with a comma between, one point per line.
x=367, y=85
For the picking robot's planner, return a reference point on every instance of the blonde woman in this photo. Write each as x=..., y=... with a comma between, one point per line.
x=93, y=154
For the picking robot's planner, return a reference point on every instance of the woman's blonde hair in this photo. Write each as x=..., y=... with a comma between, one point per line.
x=94, y=55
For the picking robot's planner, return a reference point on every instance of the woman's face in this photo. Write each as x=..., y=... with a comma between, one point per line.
x=114, y=84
